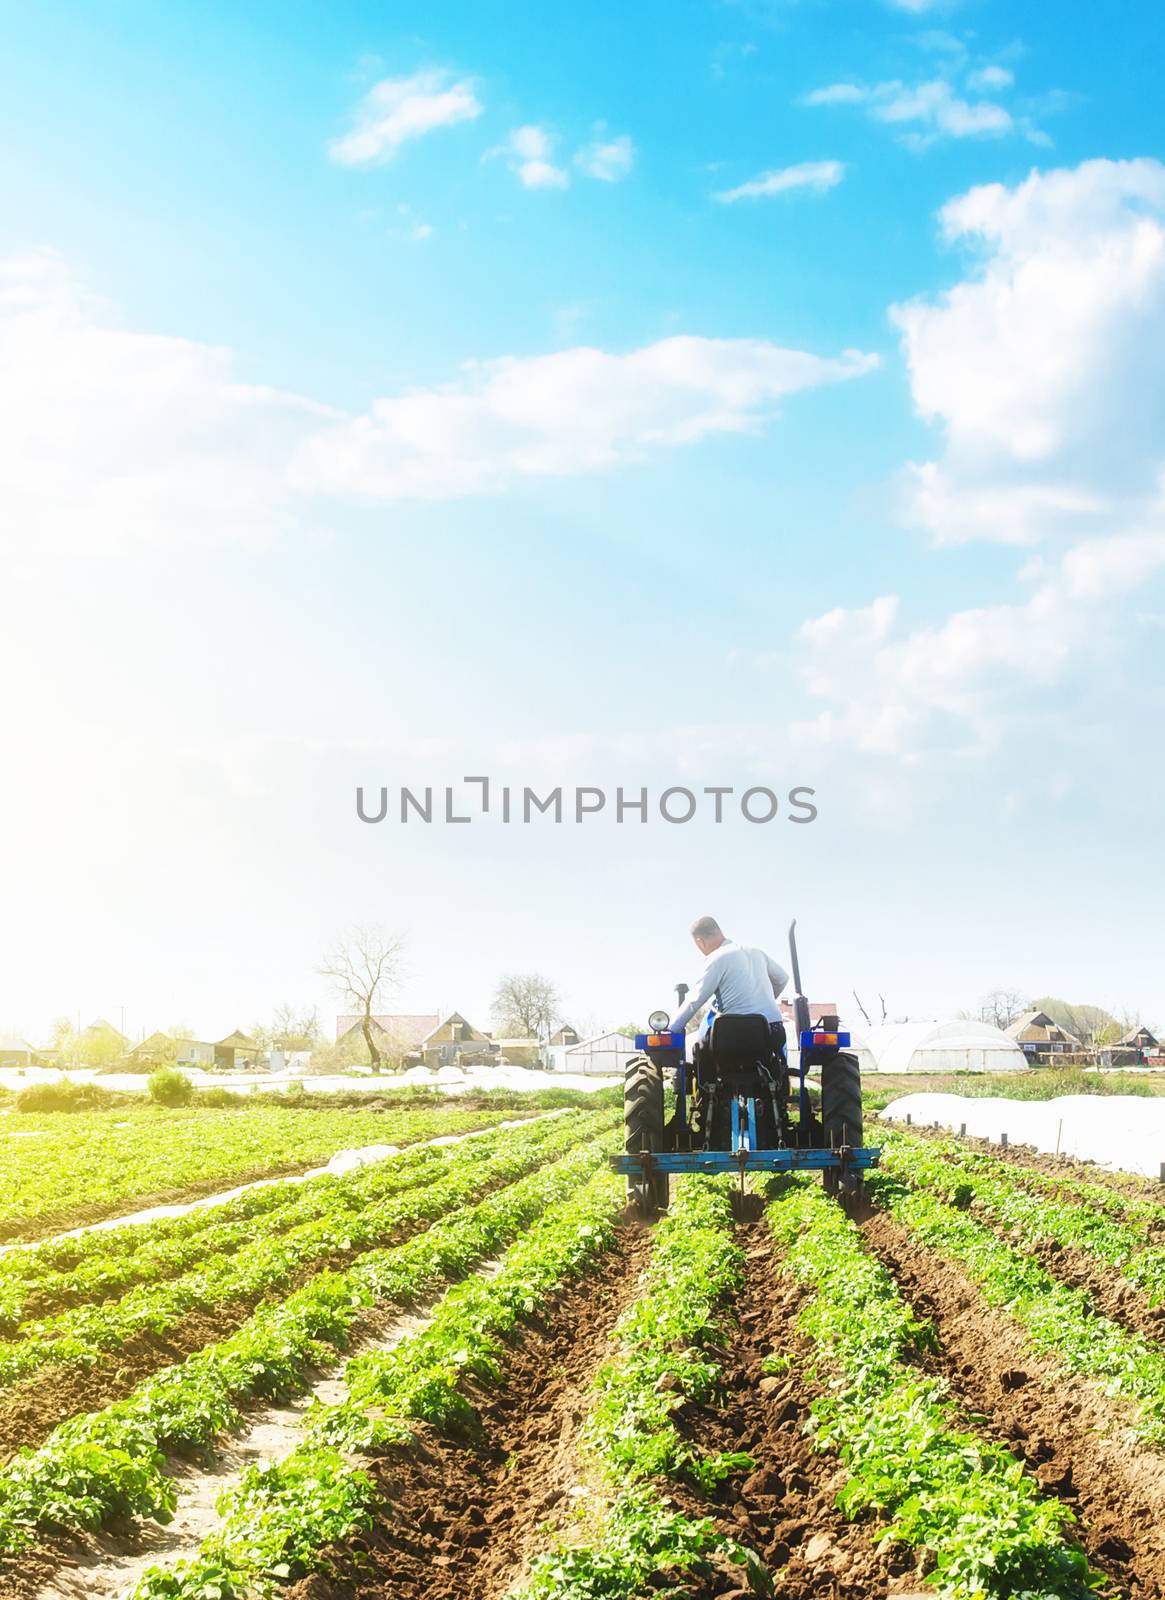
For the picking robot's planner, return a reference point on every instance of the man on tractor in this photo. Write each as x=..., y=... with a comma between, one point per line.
x=742, y=980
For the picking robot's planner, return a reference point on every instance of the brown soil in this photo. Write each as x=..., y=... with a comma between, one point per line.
x=31, y=1409
x=464, y=1516
x=1109, y=1292
x=785, y=1508
x=1072, y=1438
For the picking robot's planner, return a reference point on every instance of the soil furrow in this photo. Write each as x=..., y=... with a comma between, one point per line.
x=1073, y=1439
x=463, y=1517
x=30, y=1410
x=784, y=1509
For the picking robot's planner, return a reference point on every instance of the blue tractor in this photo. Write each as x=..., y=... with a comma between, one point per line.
x=734, y=1103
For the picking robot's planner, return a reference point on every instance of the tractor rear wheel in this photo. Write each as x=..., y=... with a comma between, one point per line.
x=841, y=1116
x=643, y=1128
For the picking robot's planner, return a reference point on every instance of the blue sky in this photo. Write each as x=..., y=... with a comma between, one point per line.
x=723, y=393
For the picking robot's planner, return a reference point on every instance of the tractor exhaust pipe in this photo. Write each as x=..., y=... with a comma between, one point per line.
x=800, y=1003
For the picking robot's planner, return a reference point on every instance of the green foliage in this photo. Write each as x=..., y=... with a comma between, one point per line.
x=65, y=1095
x=270, y=1356
x=968, y=1501
x=281, y=1518
x=667, y=1342
x=169, y=1087
x=1061, y=1211
x=1060, y=1321
x=647, y=1549
x=84, y=1166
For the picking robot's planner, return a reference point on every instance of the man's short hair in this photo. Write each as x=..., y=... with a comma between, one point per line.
x=705, y=928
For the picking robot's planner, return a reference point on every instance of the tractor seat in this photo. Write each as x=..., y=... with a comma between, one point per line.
x=740, y=1043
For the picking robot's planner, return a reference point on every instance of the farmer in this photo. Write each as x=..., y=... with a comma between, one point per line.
x=742, y=980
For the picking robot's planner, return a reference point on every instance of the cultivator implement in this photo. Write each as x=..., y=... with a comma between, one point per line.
x=733, y=1103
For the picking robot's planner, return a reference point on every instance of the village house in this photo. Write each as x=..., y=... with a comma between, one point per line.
x=1041, y=1039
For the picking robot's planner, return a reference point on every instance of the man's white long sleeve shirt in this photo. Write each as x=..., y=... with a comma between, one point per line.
x=742, y=980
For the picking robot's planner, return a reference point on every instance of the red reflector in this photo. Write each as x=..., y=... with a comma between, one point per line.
x=658, y=1038
x=825, y=1038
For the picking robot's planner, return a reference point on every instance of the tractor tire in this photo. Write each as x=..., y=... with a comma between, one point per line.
x=643, y=1129
x=841, y=1116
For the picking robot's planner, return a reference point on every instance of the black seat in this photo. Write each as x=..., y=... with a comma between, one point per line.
x=740, y=1043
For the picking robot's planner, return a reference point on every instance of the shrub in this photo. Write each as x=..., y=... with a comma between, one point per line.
x=218, y=1096
x=65, y=1095
x=169, y=1087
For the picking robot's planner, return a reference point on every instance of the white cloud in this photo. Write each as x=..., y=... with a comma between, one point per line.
x=926, y=111
x=112, y=437
x=1044, y=366
x=918, y=7
x=836, y=94
x=115, y=438
x=528, y=149
x=576, y=411
x=990, y=79
x=815, y=175
x=963, y=683
x=609, y=160
x=399, y=109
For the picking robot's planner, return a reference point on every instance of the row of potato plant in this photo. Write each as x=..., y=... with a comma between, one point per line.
x=279, y=1521
x=104, y=1162
x=669, y=1344
x=1059, y=1321
x=993, y=1189
x=105, y=1263
x=969, y=1502
x=265, y=1265
x=110, y=1464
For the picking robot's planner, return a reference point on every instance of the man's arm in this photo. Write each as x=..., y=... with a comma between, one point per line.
x=703, y=994
x=778, y=977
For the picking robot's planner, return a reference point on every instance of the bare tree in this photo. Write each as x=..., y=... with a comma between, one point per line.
x=1002, y=1007
x=862, y=1008
x=362, y=966
x=526, y=1005
x=289, y=1030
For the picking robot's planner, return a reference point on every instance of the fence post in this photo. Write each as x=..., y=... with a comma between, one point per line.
x=962, y=1130
x=1003, y=1140
x=908, y=1119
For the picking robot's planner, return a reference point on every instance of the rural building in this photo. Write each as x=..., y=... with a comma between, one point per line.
x=162, y=1048
x=16, y=1053
x=605, y=1053
x=561, y=1041
x=1041, y=1039
x=237, y=1051
x=519, y=1052
x=817, y=1010
x=455, y=1042
x=1138, y=1048
x=959, y=1046
x=396, y=1034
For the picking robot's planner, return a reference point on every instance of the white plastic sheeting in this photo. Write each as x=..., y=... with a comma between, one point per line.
x=1124, y=1132
x=958, y=1046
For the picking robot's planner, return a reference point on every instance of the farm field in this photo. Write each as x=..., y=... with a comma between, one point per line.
x=61, y=1169
x=467, y=1371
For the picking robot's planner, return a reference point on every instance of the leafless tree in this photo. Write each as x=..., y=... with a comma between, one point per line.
x=862, y=1008
x=362, y=966
x=1002, y=1007
x=526, y=1006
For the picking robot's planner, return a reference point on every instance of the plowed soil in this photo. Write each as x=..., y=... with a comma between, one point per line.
x=1109, y=1292
x=31, y=1409
x=784, y=1509
x=1071, y=1436
x=464, y=1515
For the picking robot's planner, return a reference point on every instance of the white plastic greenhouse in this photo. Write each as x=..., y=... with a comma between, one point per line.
x=959, y=1046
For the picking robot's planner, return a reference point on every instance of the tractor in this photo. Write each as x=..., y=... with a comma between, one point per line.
x=734, y=1103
